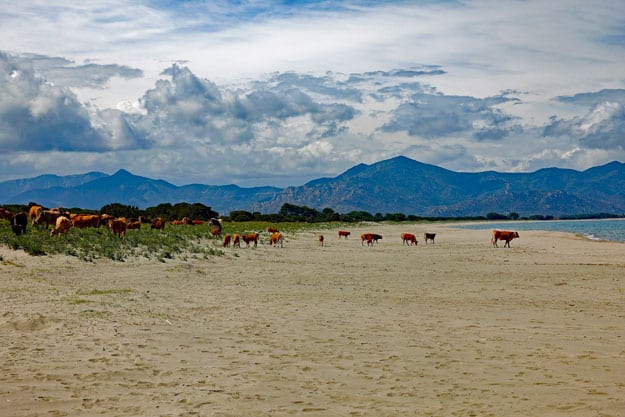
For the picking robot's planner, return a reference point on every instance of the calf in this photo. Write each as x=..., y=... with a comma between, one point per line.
x=321, y=240
x=276, y=238
x=227, y=241
x=236, y=241
x=370, y=238
x=429, y=236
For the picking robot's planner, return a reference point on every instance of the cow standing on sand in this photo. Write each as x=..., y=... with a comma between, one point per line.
x=344, y=233
x=505, y=235
x=429, y=236
x=408, y=239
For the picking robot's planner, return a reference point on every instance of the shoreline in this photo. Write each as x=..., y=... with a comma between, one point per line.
x=451, y=328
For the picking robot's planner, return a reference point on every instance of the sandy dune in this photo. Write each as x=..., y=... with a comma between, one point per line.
x=457, y=328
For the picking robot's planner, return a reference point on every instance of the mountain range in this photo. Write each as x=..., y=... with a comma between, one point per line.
x=396, y=185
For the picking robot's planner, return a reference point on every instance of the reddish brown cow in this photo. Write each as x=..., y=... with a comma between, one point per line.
x=344, y=233
x=216, y=231
x=85, y=220
x=505, y=235
x=63, y=224
x=249, y=238
x=408, y=239
x=197, y=222
x=276, y=238
x=136, y=225
x=236, y=241
x=321, y=239
x=272, y=230
x=118, y=226
x=227, y=241
x=371, y=238
x=33, y=212
x=429, y=236
x=158, y=224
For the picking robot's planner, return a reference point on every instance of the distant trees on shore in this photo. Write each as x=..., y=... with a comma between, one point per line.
x=293, y=213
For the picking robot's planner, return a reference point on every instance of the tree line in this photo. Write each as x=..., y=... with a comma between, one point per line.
x=293, y=213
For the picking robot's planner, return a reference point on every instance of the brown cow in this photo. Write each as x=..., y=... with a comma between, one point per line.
x=6, y=214
x=158, y=223
x=118, y=226
x=505, y=235
x=216, y=231
x=276, y=238
x=429, y=236
x=63, y=224
x=85, y=220
x=196, y=222
x=249, y=238
x=321, y=238
x=227, y=241
x=47, y=216
x=33, y=212
x=371, y=238
x=344, y=233
x=408, y=239
x=236, y=241
x=134, y=225
x=272, y=230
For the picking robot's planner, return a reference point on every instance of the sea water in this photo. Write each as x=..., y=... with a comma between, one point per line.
x=597, y=229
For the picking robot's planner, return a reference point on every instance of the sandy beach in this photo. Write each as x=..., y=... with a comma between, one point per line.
x=457, y=328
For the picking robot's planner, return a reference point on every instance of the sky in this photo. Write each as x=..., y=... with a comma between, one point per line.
x=279, y=93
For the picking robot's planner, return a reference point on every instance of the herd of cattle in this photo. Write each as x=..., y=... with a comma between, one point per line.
x=62, y=221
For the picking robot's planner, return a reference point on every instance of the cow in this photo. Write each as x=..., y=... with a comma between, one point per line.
x=236, y=241
x=429, y=236
x=63, y=224
x=321, y=238
x=344, y=233
x=145, y=220
x=276, y=238
x=33, y=212
x=216, y=231
x=271, y=229
x=104, y=218
x=227, y=241
x=47, y=216
x=81, y=221
x=118, y=226
x=19, y=222
x=370, y=238
x=158, y=224
x=187, y=220
x=6, y=214
x=249, y=238
x=408, y=239
x=505, y=235
x=196, y=222
x=134, y=225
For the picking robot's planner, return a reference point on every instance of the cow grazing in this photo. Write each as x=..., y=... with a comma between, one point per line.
x=158, y=224
x=47, y=217
x=344, y=233
x=81, y=221
x=227, y=241
x=63, y=224
x=321, y=239
x=135, y=225
x=19, y=222
x=408, y=239
x=118, y=226
x=271, y=229
x=370, y=238
x=250, y=238
x=276, y=238
x=216, y=231
x=505, y=235
x=236, y=241
x=429, y=236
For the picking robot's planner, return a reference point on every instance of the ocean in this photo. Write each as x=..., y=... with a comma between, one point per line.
x=599, y=229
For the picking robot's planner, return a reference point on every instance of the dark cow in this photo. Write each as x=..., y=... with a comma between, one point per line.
x=344, y=233
x=321, y=239
x=408, y=239
x=118, y=226
x=19, y=222
x=6, y=214
x=371, y=238
x=429, y=236
x=505, y=235
x=48, y=217
x=227, y=241
x=158, y=224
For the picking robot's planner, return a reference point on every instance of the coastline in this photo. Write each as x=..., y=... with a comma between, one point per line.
x=453, y=328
